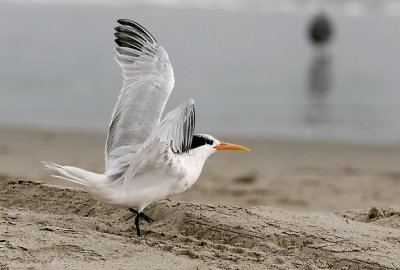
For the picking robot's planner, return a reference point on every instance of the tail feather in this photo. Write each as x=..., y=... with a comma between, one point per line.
x=76, y=175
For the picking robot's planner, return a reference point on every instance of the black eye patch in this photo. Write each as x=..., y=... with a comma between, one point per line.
x=199, y=141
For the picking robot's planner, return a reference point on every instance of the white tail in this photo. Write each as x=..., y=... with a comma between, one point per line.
x=77, y=175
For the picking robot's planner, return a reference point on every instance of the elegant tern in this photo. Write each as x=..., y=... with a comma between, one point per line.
x=146, y=160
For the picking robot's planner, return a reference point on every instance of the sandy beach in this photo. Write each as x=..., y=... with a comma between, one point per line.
x=45, y=227
x=295, y=175
x=284, y=205
x=304, y=197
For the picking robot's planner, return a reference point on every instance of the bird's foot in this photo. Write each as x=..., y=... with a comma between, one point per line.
x=147, y=218
x=138, y=217
x=133, y=211
x=142, y=215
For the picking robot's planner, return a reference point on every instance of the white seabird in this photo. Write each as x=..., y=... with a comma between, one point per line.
x=146, y=160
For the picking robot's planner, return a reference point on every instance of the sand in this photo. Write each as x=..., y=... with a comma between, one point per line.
x=294, y=175
x=284, y=205
x=46, y=227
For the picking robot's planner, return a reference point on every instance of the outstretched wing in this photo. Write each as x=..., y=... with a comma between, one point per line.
x=176, y=129
x=172, y=137
x=148, y=82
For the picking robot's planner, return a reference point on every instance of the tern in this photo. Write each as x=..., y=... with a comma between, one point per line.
x=146, y=160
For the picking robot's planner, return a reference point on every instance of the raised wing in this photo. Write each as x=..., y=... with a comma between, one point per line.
x=173, y=136
x=148, y=82
x=176, y=129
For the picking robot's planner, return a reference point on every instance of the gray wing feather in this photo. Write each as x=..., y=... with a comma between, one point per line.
x=148, y=82
x=173, y=136
x=177, y=128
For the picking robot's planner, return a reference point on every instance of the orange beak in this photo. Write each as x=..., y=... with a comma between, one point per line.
x=230, y=146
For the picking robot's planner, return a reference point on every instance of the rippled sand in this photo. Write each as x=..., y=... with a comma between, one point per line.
x=284, y=205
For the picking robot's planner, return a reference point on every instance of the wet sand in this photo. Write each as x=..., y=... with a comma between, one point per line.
x=295, y=175
x=284, y=205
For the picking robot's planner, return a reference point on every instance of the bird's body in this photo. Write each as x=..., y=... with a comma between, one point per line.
x=164, y=176
x=146, y=160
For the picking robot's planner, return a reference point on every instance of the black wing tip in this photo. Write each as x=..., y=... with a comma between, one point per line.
x=122, y=28
x=126, y=21
x=121, y=43
x=137, y=26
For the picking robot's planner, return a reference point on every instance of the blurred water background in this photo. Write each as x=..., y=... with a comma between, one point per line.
x=247, y=63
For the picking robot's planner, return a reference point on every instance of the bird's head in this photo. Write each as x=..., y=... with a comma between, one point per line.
x=207, y=145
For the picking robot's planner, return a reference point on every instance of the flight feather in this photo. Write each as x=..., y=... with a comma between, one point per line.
x=148, y=82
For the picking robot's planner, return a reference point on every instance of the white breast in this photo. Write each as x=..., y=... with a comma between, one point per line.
x=155, y=184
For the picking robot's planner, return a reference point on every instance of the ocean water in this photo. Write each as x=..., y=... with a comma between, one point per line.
x=346, y=7
x=251, y=71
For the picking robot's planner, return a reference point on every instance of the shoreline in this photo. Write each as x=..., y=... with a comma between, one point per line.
x=294, y=175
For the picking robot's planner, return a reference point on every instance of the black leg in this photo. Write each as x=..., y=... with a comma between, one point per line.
x=146, y=217
x=137, y=224
x=137, y=218
x=142, y=215
x=133, y=211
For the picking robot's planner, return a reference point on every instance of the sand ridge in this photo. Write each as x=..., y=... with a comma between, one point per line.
x=45, y=227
